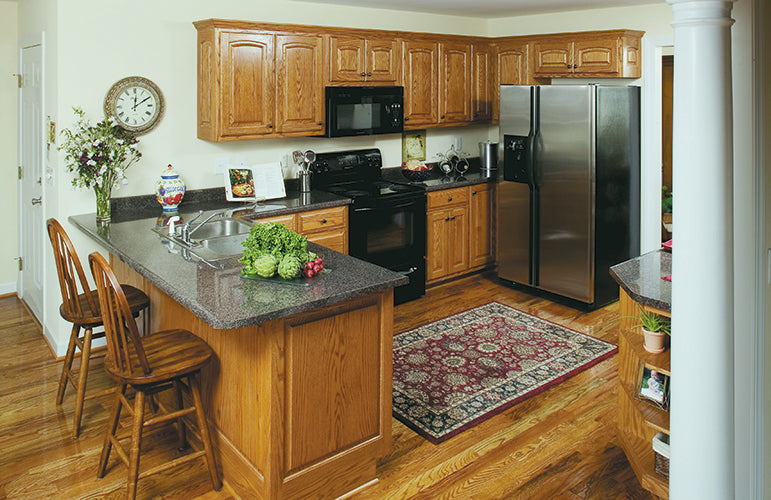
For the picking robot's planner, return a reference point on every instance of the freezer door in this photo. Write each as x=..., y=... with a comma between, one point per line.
x=566, y=178
x=514, y=201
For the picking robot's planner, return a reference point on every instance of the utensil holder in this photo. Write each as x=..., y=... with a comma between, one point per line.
x=305, y=181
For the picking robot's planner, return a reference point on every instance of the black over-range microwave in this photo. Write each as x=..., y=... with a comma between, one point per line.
x=364, y=110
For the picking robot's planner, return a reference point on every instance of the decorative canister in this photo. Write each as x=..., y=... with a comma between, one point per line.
x=169, y=190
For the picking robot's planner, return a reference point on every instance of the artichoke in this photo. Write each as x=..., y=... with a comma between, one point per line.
x=290, y=267
x=265, y=265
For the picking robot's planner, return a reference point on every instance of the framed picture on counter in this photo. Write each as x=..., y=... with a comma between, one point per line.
x=652, y=387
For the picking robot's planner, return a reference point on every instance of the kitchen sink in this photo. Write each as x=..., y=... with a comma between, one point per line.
x=219, y=228
x=222, y=246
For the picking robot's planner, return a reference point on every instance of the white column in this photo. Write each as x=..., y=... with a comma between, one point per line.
x=702, y=384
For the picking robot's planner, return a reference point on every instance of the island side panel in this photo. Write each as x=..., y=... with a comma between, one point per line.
x=265, y=378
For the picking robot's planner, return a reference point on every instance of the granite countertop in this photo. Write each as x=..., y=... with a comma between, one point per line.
x=439, y=181
x=641, y=278
x=214, y=290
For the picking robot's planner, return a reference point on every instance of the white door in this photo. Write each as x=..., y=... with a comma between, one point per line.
x=32, y=230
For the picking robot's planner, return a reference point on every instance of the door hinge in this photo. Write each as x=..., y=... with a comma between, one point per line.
x=20, y=172
x=18, y=79
x=21, y=263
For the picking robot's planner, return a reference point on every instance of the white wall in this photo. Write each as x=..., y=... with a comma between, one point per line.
x=9, y=62
x=120, y=42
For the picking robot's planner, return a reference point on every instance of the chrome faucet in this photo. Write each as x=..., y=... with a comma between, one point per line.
x=187, y=232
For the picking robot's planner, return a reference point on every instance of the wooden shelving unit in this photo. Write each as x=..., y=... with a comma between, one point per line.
x=639, y=421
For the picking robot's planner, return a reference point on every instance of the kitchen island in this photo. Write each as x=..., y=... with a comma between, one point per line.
x=300, y=392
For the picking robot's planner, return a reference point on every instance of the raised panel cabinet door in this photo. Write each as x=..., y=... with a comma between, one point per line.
x=248, y=84
x=510, y=69
x=482, y=82
x=346, y=59
x=420, y=79
x=455, y=82
x=553, y=57
x=383, y=61
x=437, y=265
x=480, y=226
x=300, y=84
x=596, y=55
x=457, y=238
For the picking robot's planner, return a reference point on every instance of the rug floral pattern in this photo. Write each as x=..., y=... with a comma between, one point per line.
x=452, y=374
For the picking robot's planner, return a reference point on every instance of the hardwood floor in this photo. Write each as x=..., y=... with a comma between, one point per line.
x=558, y=444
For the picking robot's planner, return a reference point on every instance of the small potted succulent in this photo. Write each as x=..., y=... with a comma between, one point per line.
x=654, y=327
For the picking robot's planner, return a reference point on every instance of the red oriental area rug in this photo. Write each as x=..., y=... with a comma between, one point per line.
x=459, y=371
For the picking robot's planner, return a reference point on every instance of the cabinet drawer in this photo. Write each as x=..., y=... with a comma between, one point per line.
x=321, y=220
x=438, y=199
x=287, y=220
x=336, y=240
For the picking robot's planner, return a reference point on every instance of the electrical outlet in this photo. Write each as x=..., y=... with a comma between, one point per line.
x=241, y=161
x=219, y=165
x=458, y=143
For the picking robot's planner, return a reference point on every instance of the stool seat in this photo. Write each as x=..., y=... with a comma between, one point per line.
x=137, y=300
x=170, y=353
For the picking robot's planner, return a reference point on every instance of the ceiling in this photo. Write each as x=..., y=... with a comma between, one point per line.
x=487, y=8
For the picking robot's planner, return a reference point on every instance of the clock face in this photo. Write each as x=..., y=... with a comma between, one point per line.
x=136, y=103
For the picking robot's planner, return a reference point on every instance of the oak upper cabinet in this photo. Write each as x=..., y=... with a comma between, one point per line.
x=236, y=84
x=481, y=83
x=480, y=227
x=511, y=67
x=354, y=59
x=300, y=84
x=590, y=54
x=255, y=83
x=420, y=66
x=454, y=82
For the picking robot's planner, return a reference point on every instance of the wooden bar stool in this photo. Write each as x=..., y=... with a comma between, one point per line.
x=80, y=306
x=149, y=364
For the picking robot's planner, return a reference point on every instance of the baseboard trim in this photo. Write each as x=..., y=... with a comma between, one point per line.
x=8, y=289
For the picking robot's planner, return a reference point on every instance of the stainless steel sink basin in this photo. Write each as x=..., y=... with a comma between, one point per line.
x=222, y=246
x=219, y=228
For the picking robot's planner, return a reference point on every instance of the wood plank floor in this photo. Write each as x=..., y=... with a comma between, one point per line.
x=558, y=444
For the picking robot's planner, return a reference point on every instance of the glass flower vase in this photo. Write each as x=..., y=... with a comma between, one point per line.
x=103, y=195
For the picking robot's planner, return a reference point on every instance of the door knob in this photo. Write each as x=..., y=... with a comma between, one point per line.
x=37, y=201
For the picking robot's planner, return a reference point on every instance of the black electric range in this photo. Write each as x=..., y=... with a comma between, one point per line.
x=387, y=220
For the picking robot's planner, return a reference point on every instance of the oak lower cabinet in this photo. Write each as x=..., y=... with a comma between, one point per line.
x=459, y=235
x=357, y=60
x=588, y=54
x=256, y=83
x=638, y=421
x=327, y=227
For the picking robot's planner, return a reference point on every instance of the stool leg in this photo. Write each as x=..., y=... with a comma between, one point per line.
x=136, y=441
x=67, y=363
x=112, y=427
x=182, y=444
x=85, y=356
x=195, y=389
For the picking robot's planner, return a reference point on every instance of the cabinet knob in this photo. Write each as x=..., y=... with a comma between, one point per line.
x=406, y=118
x=369, y=74
x=441, y=117
x=321, y=123
x=452, y=218
x=575, y=66
x=449, y=198
x=473, y=193
x=446, y=219
x=569, y=66
x=363, y=74
x=323, y=221
x=270, y=125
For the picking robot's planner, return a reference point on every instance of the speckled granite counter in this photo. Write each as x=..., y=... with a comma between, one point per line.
x=215, y=292
x=438, y=181
x=641, y=279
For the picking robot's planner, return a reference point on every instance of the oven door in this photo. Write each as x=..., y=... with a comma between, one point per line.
x=389, y=232
x=392, y=234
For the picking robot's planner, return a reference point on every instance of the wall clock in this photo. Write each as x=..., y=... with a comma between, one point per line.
x=136, y=103
x=414, y=145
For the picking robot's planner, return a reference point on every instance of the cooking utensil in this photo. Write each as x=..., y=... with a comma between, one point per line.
x=297, y=157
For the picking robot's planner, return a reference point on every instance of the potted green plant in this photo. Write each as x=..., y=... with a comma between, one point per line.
x=654, y=327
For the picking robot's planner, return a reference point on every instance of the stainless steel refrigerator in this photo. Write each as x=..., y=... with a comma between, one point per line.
x=568, y=188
